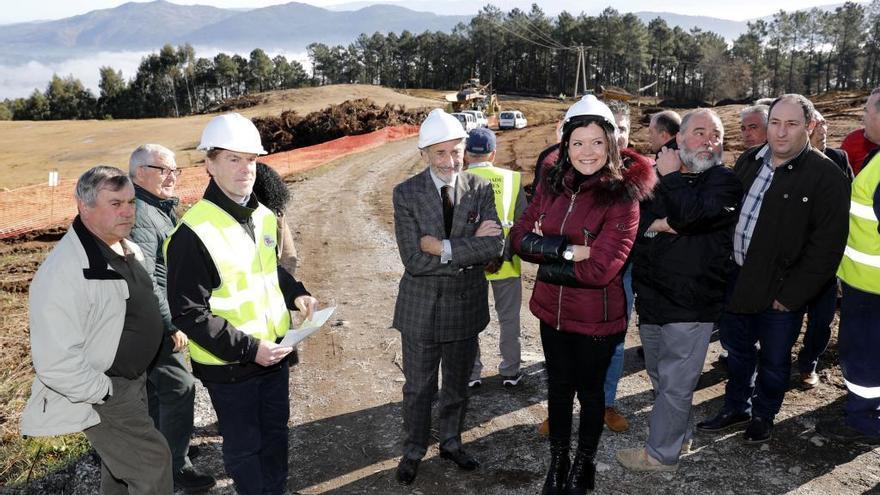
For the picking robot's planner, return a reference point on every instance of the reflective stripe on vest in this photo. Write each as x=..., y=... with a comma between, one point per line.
x=505, y=186
x=865, y=392
x=249, y=296
x=860, y=266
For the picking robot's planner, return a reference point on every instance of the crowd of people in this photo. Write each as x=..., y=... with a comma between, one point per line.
x=681, y=242
x=698, y=247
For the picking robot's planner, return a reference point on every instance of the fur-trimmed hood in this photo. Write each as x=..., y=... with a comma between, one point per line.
x=639, y=179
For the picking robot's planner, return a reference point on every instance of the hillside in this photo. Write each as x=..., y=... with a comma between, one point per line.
x=31, y=149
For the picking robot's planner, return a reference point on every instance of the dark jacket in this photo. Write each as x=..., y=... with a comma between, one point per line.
x=840, y=158
x=681, y=277
x=192, y=276
x=154, y=222
x=546, y=159
x=672, y=144
x=800, y=234
x=607, y=211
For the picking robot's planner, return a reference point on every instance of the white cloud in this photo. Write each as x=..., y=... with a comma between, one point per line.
x=21, y=80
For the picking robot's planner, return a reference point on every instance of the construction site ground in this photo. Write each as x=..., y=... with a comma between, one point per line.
x=346, y=392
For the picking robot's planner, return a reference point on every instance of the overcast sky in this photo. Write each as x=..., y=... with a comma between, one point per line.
x=739, y=10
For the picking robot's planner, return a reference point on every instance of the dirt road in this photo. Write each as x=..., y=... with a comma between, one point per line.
x=346, y=392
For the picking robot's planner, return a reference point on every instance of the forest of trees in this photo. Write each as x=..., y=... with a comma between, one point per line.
x=528, y=52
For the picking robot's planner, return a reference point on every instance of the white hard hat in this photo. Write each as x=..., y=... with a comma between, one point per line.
x=590, y=105
x=233, y=132
x=438, y=127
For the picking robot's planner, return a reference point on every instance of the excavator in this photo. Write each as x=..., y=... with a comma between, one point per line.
x=474, y=96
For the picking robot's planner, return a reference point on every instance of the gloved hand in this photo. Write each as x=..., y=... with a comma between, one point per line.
x=558, y=273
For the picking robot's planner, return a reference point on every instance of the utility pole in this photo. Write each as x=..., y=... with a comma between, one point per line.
x=581, y=71
x=584, y=69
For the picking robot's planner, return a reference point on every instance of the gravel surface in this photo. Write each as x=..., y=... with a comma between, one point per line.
x=346, y=392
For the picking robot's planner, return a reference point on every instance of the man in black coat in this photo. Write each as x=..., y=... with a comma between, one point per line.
x=787, y=244
x=820, y=311
x=662, y=131
x=679, y=264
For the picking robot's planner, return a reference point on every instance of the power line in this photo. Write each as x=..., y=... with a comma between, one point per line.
x=524, y=38
x=524, y=21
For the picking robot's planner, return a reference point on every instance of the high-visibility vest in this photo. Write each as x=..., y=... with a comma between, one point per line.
x=249, y=296
x=505, y=185
x=860, y=266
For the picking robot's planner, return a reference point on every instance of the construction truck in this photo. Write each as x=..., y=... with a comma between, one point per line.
x=474, y=96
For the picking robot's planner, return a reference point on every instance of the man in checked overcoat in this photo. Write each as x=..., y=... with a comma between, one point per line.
x=447, y=230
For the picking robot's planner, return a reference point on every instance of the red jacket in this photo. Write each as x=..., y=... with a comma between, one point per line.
x=857, y=147
x=608, y=209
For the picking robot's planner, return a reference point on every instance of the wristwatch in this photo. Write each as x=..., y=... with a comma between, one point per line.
x=568, y=254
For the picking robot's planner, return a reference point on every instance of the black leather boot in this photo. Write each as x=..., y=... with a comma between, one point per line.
x=558, y=472
x=582, y=477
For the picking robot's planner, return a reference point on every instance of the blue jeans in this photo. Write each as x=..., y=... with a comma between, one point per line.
x=858, y=340
x=820, y=314
x=758, y=379
x=615, y=368
x=252, y=415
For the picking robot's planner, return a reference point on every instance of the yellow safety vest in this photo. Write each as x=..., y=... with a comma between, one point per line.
x=860, y=266
x=505, y=185
x=249, y=296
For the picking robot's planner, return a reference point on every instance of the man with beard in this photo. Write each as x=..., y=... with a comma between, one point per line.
x=679, y=261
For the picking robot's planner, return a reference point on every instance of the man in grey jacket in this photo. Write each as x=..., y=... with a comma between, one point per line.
x=94, y=328
x=447, y=230
x=170, y=385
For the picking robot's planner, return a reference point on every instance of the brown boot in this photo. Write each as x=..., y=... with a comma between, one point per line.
x=544, y=429
x=615, y=421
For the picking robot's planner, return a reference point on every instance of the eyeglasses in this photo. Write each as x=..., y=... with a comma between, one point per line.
x=163, y=172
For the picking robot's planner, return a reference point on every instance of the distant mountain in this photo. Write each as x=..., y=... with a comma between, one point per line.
x=147, y=26
x=299, y=24
x=131, y=25
x=289, y=27
x=728, y=29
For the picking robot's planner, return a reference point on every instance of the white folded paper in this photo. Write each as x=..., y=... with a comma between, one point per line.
x=296, y=335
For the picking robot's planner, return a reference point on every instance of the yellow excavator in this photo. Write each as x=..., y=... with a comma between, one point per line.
x=474, y=96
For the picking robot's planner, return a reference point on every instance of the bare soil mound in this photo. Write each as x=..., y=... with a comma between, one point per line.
x=349, y=118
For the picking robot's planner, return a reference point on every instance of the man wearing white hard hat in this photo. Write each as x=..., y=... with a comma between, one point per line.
x=447, y=230
x=228, y=294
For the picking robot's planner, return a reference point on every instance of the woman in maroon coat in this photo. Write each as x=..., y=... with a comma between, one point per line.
x=579, y=228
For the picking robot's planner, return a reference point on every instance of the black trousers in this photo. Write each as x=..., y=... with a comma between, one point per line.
x=253, y=415
x=576, y=363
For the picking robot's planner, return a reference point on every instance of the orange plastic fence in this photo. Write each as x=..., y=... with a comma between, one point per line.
x=31, y=208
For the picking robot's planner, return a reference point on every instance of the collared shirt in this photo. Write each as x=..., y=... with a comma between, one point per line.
x=751, y=207
x=446, y=251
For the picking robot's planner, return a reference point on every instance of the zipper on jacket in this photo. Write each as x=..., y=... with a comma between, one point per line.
x=45, y=402
x=562, y=231
x=605, y=303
